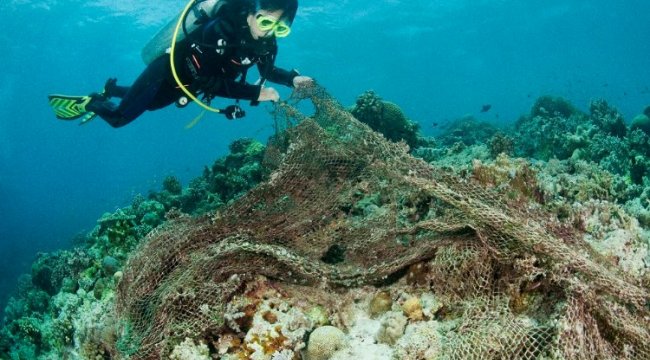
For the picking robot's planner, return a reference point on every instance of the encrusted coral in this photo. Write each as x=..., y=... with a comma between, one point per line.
x=420, y=341
x=324, y=342
x=516, y=178
x=466, y=131
x=188, y=350
x=549, y=130
x=601, y=137
x=386, y=118
x=269, y=326
x=231, y=176
x=501, y=144
x=172, y=185
x=607, y=118
x=641, y=122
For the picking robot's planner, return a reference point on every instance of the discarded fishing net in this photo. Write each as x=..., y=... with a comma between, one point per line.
x=306, y=225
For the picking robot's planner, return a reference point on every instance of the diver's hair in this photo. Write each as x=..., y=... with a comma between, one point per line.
x=288, y=7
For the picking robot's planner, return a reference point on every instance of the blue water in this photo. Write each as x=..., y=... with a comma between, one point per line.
x=439, y=60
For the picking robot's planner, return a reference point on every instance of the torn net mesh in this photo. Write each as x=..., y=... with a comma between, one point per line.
x=481, y=254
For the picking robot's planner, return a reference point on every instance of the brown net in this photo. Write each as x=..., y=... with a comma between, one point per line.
x=311, y=224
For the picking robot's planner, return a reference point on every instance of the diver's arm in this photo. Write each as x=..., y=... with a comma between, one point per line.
x=281, y=76
x=236, y=90
x=292, y=78
x=274, y=74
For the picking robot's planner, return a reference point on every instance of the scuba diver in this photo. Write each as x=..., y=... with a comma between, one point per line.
x=224, y=40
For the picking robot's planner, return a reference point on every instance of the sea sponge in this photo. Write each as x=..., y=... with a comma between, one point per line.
x=380, y=303
x=412, y=308
x=392, y=328
x=324, y=342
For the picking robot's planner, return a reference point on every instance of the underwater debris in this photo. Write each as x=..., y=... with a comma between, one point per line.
x=74, y=311
x=421, y=263
x=281, y=229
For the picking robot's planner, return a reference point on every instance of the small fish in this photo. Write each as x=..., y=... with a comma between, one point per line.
x=485, y=108
x=441, y=124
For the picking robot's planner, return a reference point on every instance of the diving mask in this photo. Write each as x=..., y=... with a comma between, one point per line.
x=268, y=24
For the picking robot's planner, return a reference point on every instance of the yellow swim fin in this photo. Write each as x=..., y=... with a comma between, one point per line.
x=67, y=107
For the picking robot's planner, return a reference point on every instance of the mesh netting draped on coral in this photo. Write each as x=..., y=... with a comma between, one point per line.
x=302, y=226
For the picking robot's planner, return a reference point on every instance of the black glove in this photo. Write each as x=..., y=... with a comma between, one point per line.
x=233, y=112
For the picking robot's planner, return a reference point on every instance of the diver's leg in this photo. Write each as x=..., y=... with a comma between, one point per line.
x=111, y=89
x=137, y=99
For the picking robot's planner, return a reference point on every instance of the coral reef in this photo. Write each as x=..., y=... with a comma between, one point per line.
x=501, y=144
x=466, y=131
x=324, y=342
x=420, y=341
x=554, y=129
x=392, y=328
x=601, y=137
x=386, y=118
x=641, y=122
x=64, y=306
x=350, y=248
x=552, y=106
x=187, y=350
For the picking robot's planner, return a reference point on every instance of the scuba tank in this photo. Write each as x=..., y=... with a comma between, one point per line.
x=160, y=44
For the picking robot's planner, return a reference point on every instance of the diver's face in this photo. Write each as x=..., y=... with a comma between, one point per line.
x=256, y=32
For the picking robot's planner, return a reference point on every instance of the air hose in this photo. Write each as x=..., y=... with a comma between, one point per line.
x=187, y=92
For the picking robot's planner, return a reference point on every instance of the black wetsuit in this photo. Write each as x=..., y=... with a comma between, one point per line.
x=213, y=60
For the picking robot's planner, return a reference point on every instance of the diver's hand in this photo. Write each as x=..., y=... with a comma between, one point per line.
x=269, y=94
x=302, y=82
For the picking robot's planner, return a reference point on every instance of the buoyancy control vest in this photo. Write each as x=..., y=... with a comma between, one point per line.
x=160, y=44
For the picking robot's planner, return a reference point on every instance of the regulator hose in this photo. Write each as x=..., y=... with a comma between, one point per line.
x=172, y=53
